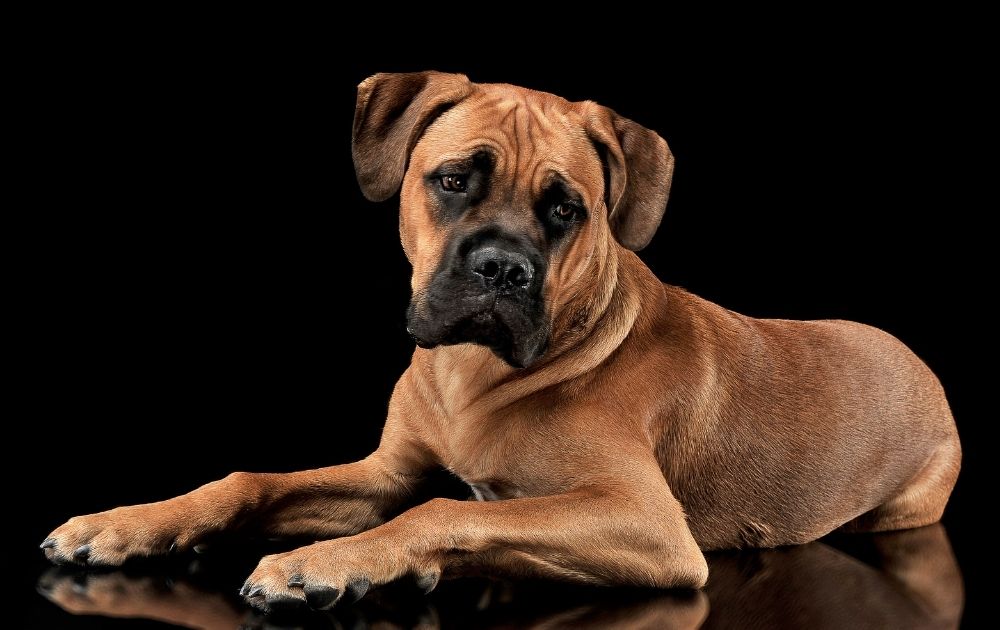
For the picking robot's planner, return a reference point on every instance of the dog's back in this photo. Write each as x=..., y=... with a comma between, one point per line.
x=777, y=432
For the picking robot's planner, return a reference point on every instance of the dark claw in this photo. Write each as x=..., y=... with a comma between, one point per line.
x=358, y=588
x=296, y=581
x=428, y=582
x=245, y=588
x=82, y=553
x=173, y=547
x=48, y=543
x=321, y=597
x=202, y=548
x=257, y=590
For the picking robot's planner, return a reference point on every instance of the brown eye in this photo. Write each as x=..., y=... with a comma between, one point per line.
x=453, y=183
x=565, y=211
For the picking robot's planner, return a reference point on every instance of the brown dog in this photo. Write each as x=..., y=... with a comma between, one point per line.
x=612, y=427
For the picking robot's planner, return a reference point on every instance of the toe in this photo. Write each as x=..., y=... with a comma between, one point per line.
x=82, y=553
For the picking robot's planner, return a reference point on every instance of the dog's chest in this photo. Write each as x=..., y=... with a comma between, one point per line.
x=496, y=456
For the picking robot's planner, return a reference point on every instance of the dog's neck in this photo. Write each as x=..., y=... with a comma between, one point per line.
x=592, y=325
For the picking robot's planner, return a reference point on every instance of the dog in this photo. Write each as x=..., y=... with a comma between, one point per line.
x=611, y=427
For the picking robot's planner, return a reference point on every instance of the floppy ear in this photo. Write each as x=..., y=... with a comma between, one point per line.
x=639, y=167
x=392, y=112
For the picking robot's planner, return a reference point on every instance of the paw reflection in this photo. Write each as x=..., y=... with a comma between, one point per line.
x=900, y=579
x=146, y=597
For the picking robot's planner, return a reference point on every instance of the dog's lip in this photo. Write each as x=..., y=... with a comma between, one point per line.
x=439, y=329
x=482, y=309
x=419, y=340
x=512, y=351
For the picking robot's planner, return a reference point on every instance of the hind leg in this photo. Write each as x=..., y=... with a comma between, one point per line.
x=921, y=501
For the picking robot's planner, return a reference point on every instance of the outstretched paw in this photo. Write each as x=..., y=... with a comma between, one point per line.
x=323, y=574
x=110, y=538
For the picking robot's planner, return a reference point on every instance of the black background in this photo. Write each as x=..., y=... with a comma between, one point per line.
x=208, y=291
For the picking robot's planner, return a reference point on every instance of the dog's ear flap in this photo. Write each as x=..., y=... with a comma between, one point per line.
x=392, y=111
x=639, y=170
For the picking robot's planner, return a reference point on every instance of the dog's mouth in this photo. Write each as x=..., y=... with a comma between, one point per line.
x=516, y=334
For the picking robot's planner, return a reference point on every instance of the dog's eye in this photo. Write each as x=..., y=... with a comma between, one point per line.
x=453, y=183
x=564, y=211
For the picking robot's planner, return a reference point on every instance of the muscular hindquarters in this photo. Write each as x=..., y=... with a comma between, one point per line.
x=782, y=431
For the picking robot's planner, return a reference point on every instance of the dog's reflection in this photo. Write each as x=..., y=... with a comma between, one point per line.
x=907, y=579
x=143, y=597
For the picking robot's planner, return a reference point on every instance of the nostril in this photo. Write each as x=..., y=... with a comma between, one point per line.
x=500, y=269
x=490, y=269
x=518, y=277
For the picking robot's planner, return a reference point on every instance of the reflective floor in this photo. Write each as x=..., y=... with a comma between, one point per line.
x=904, y=579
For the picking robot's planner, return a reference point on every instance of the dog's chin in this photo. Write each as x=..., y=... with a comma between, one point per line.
x=518, y=346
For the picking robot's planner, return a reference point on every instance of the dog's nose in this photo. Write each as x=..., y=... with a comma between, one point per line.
x=501, y=269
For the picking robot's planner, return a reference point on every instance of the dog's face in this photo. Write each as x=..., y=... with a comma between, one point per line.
x=504, y=196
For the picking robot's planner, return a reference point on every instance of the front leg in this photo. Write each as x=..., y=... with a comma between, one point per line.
x=606, y=535
x=334, y=501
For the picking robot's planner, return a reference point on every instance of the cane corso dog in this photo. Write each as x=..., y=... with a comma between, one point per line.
x=610, y=426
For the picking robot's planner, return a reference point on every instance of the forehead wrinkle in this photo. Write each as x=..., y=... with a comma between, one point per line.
x=499, y=101
x=504, y=113
x=530, y=138
x=504, y=131
x=524, y=133
x=549, y=115
x=470, y=149
x=546, y=168
x=469, y=127
x=507, y=109
x=511, y=124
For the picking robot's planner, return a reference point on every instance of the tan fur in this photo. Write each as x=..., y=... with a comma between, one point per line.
x=656, y=425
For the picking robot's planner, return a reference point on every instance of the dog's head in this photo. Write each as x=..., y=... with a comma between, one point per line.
x=508, y=197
